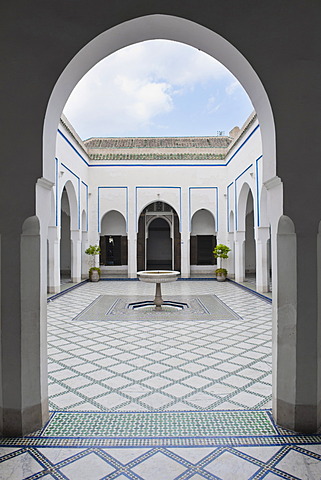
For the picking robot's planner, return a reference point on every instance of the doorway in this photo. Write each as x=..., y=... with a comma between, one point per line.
x=159, y=245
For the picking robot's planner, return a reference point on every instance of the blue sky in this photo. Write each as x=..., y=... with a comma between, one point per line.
x=157, y=88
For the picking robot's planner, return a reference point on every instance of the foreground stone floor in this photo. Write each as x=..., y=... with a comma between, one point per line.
x=160, y=396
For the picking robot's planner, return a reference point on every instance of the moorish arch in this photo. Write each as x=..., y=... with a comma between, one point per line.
x=165, y=27
x=70, y=233
x=240, y=231
x=171, y=28
x=24, y=393
x=202, y=238
x=240, y=218
x=158, y=238
x=159, y=248
x=65, y=237
x=113, y=239
x=250, y=247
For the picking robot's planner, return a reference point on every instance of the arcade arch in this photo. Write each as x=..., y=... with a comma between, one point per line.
x=250, y=247
x=158, y=221
x=24, y=395
x=203, y=238
x=113, y=239
x=65, y=240
x=163, y=26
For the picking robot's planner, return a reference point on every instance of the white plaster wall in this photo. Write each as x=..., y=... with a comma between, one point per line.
x=203, y=223
x=113, y=223
x=111, y=198
x=71, y=164
x=128, y=187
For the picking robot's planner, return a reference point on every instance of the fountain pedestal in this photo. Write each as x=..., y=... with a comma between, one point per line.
x=158, y=277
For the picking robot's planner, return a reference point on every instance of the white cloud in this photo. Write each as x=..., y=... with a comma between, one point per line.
x=230, y=89
x=212, y=105
x=133, y=86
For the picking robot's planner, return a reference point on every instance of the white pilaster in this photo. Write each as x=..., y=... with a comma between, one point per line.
x=239, y=239
x=132, y=235
x=84, y=257
x=262, y=235
x=185, y=254
x=75, y=237
x=231, y=256
x=53, y=259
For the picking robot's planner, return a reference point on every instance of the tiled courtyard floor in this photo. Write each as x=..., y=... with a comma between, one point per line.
x=200, y=387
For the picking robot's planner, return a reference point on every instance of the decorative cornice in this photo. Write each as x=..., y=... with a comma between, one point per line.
x=64, y=121
x=272, y=183
x=249, y=122
x=157, y=156
x=43, y=182
x=157, y=142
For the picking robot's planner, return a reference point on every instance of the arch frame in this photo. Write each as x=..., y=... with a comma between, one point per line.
x=207, y=211
x=110, y=211
x=73, y=200
x=167, y=27
x=241, y=202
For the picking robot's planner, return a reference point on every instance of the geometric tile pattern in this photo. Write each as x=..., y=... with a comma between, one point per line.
x=111, y=307
x=162, y=463
x=159, y=424
x=201, y=377
x=160, y=365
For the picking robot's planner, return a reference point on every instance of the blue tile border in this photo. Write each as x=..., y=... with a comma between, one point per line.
x=69, y=289
x=280, y=438
x=250, y=290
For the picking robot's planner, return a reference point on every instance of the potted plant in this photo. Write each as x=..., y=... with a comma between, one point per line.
x=94, y=272
x=221, y=251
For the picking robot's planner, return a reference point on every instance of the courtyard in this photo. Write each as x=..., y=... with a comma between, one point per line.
x=160, y=395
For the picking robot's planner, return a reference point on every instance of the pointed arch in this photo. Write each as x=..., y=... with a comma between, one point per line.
x=159, y=26
x=242, y=200
x=73, y=204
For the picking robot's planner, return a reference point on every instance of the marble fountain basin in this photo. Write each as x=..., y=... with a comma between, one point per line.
x=158, y=277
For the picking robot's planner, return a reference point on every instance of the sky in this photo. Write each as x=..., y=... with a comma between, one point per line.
x=157, y=88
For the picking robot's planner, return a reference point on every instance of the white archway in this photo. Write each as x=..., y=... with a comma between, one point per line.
x=113, y=241
x=166, y=27
x=203, y=223
x=113, y=222
x=202, y=241
x=152, y=211
x=242, y=199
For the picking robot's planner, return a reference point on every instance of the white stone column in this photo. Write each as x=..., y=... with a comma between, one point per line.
x=132, y=255
x=132, y=234
x=262, y=235
x=53, y=259
x=231, y=256
x=75, y=237
x=23, y=373
x=185, y=255
x=185, y=248
x=84, y=257
x=239, y=242
x=185, y=236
